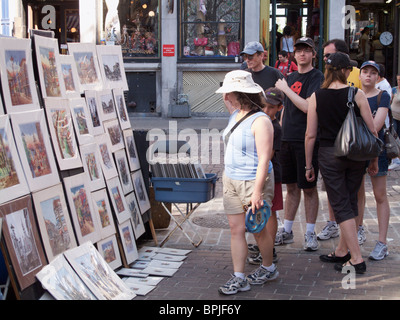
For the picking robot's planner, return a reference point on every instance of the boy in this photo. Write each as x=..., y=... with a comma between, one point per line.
x=284, y=65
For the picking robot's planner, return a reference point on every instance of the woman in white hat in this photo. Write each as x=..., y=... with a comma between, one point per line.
x=248, y=176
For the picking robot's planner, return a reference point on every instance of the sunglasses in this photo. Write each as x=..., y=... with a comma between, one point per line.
x=249, y=57
x=327, y=55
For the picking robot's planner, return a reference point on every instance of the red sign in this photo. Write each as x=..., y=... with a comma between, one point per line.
x=168, y=50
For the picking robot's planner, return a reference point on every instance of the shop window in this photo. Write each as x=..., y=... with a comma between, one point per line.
x=210, y=29
x=135, y=26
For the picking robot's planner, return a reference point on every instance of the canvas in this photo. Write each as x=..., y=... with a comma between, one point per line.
x=131, y=150
x=94, y=106
x=118, y=201
x=123, y=170
x=122, y=111
x=70, y=75
x=82, y=120
x=92, y=166
x=112, y=67
x=108, y=249
x=128, y=241
x=102, y=207
x=140, y=191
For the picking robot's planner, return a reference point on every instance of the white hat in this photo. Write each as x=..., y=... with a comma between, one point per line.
x=239, y=81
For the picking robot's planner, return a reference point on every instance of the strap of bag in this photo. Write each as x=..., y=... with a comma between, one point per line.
x=237, y=124
x=350, y=98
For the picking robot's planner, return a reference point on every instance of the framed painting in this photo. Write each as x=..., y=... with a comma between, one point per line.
x=84, y=217
x=17, y=77
x=70, y=75
x=114, y=132
x=34, y=148
x=54, y=221
x=131, y=150
x=128, y=241
x=94, y=106
x=12, y=178
x=106, y=104
x=118, y=201
x=22, y=240
x=108, y=249
x=62, y=282
x=112, y=67
x=87, y=65
x=120, y=106
x=137, y=221
x=62, y=133
x=103, y=208
x=92, y=166
x=82, y=120
x=97, y=274
x=140, y=191
x=106, y=157
x=123, y=170
x=49, y=67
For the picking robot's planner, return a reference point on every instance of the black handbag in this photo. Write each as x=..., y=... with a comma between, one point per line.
x=354, y=140
x=392, y=141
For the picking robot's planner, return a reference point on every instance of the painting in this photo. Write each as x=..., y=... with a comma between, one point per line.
x=70, y=76
x=123, y=170
x=128, y=241
x=34, y=148
x=102, y=207
x=22, y=240
x=137, y=221
x=54, y=221
x=17, y=77
x=62, y=282
x=82, y=120
x=107, y=160
x=120, y=106
x=131, y=150
x=118, y=201
x=114, y=132
x=49, y=68
x=97, y=274
x=112, y=67
x=140, y=191
x=105, y=100
x=87, y=65
x=94, y=106
x=92, y=166
x=108, y=249
x=62, y=133
x=84, y=217
x=13, y=183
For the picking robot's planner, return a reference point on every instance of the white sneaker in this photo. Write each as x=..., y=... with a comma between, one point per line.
x=331, y=230
x=395, y=165
x=361, y=235
x=310, y=242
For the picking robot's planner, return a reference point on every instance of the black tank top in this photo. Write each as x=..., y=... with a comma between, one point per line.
x=332, y=110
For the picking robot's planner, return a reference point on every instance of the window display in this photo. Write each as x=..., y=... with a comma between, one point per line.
x=210, y=28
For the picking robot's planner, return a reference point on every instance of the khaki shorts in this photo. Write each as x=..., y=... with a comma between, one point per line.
x=237, y=193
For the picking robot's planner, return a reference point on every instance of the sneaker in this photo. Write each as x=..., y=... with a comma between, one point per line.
x=282, y=237
x=234, y=285
x=253, y=248
x=262, y=275
x=310, y=242
x=380, y=251
x=331, y=230
x=361, y=235
x=395, y=165
x=255, y=259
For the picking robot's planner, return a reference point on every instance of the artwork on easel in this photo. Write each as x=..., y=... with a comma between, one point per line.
x=140, y=191
x=93, y=106
x=118, y=201
x=102, y=206
x=123, y=170
x=131, y=150
x=107, y=160
x=82, y=120
x=62, y=282
x=128, y=241
x=17, y=77
x=12, y=178
x=34, y=148
x=112, y=67
x=92, y=166
x=108, y=249
x=54, y=221
x=22, y=240
x=137, y=221
x=122, y=111
x=106, y=105
x=70, y=75
x=49, y=68
x=62, y=133
x=87, y=65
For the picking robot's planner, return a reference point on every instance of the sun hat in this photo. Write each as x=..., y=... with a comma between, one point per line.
x=239, y=81
x=340, y=60
x=252, y=48
x=274, y=96
x=372, y=64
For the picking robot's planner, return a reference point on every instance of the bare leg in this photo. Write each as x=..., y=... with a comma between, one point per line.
x=238, y=241
x=382, y=206
x=311, y=204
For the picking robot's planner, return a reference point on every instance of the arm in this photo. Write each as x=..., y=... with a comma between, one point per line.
x=298, y=101
x=311, y=135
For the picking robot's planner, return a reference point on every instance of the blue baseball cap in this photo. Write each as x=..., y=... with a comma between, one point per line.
x=252, y=48
x=372, y=64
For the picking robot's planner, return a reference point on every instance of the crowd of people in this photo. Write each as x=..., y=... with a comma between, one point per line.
x=282, y=129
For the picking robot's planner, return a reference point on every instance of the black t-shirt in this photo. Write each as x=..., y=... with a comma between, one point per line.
x=277, y=147
x=294, y=122
x=267, y=77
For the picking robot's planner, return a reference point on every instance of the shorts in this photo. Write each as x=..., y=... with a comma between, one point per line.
x=293, y=161
x=383, y=164
x=277, y=202
x=237, y=193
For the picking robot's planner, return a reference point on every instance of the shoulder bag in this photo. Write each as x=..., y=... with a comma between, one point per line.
x=392, y=141
x=354, y=140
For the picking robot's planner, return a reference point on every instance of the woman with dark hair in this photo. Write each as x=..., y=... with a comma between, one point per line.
x=327, y=111
x=287, y=41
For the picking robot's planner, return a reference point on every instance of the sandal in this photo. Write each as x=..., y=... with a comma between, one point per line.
x=333, y=258
x=360, y=268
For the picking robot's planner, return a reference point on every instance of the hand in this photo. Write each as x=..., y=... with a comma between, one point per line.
x=310, y=175
x=373, y=167
x=282, y=85
x=256, y=202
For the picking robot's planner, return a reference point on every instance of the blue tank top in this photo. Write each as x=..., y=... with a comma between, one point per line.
x=241, y=159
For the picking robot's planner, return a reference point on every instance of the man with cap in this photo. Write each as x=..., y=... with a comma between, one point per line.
x=298, y=88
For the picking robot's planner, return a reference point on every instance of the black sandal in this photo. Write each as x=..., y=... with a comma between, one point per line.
x=333, y=258
x=360, y=268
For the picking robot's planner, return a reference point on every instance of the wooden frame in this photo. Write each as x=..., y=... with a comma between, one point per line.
x=22, y=240
x=107, y=160
x=70, y=75
x=118, y=201
x=112, y=67
x=123, y=171
x=128, y=241
x=121, y=109
x=34, y=148
x=17, y=77
x=13, y=183
x=62, y=133
x=91, y=160
x=102, y=206
x=131, y=151
x=140, y=191
x=82, y=120
x=93, y=106
x=54, y=221
x=108, y=248
x=114, y=134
